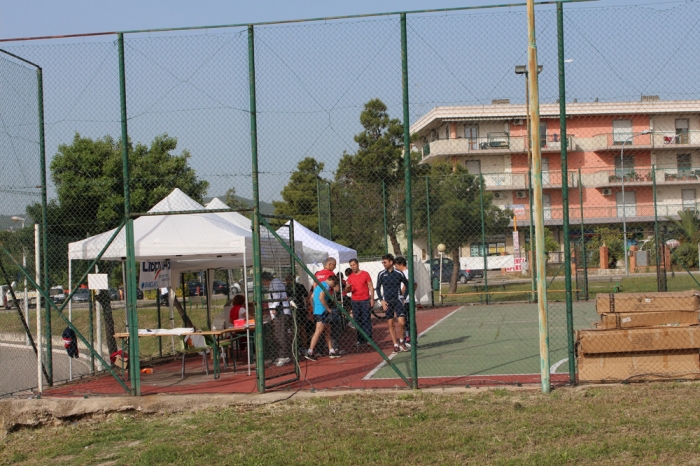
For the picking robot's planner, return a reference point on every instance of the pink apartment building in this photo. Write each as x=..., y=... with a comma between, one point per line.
x=609, y=144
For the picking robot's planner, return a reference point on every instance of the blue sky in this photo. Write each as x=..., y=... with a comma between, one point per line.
x=313, y=78
x=55, y=17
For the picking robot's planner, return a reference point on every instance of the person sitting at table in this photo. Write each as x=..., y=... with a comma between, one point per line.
x=238, y=310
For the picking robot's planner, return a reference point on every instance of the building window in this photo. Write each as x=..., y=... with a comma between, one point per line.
x=682, y=131
x=447, y=131
x=622, y=131
x=433, y=135
x=543, y=134
x=624, y=166
x=471, y=133
x=688, y=197
x=629, y=206
x=474, y=166
x=685, y=164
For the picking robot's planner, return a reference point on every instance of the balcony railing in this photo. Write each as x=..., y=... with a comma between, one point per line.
x=612, y=213
x=641, y=176
x=494, y=143
x=673, y=140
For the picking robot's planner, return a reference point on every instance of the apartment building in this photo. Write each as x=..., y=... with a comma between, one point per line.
x=612, y=146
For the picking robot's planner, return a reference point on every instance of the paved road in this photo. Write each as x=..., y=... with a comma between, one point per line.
x=19, y=371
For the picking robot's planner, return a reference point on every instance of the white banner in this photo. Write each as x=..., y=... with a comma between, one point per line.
x=154, y=275
x=493, y=262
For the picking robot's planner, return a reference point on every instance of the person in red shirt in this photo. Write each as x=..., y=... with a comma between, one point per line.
x=362, y=289
x=237, y=308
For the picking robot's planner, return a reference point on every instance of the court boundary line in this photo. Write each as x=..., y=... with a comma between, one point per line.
x=391, y=356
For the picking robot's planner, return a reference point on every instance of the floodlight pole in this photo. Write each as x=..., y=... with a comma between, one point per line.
x=539, y=213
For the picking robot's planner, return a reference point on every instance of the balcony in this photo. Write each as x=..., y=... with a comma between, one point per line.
x=642, y=176
x=613, y=214
x=504, y=181
x=670, y=140
x=552, y=143
x=676, y=140
x=494, y=143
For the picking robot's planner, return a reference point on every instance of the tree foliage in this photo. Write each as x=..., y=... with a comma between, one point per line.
x=687, y=231
x=88, y=177
x=361, y=177
x=299, y=196
x=455, y=211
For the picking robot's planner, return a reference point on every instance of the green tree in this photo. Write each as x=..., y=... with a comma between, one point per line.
x=687, y=231
x=379, y=159
x=299, y=196
x=455, y=211
x=89, y=199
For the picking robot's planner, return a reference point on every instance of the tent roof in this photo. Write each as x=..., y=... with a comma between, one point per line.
x=316, y=246
x=207, y=240
x=233, y=217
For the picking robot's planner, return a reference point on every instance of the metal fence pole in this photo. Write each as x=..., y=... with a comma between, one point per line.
x=539, y=217
x=584, y=263
x=531, y=259
x=565, y=195
x=44, y=223
x=483, y=238
x=386, y=234
x=130, y=285
x=659, y=285
x=430, y=241
x=409, y=205
x=318, y=205
x=257, y=262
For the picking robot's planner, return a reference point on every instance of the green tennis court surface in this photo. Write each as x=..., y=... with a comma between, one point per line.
x=490, y=340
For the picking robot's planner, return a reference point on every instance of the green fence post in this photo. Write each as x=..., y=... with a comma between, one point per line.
x=386, y=239
x=160, y=339
x=409, y=205
x=130, y=285
x=318, y=205
x=91, y=328
x=483, y=238
x=659, y=285
x=430, y=241
x=584, y=290
x=565, y=195
x=44, y=223
x=257, y=262
x=330, y=213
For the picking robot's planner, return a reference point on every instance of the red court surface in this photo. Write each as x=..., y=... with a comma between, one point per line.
x=348, y=372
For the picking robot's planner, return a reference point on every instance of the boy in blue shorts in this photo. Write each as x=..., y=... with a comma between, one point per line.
x=322, y=317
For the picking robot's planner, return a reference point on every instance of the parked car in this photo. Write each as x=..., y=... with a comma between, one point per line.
x=114, y=294
x=465, y=275
x=57, y=294
x=195, y=288
x=220, y=287
x=238, y=287
x=81, y=295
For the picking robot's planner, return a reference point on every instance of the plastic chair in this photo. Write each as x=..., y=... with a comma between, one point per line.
x=185, y=350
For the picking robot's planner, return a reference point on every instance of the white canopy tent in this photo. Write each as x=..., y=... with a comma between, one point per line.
x=316, y=248
x=192, y=242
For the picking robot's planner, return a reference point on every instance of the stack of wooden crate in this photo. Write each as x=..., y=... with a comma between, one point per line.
x=641, y=336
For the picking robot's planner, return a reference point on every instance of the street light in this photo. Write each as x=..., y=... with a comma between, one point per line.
x=24, y=265
x=441, y=250
x=624, y=207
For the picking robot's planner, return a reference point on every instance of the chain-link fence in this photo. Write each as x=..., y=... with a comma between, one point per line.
x=320, y=110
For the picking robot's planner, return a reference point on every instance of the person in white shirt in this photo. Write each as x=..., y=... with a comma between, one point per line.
x=281, y=315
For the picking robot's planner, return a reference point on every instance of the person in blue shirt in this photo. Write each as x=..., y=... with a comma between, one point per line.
x=392, y=291
x=322, y=317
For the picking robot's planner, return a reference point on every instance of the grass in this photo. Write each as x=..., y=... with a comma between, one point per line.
x=636, y=424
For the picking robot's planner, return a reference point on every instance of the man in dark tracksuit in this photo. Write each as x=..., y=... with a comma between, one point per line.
x=390, y=291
